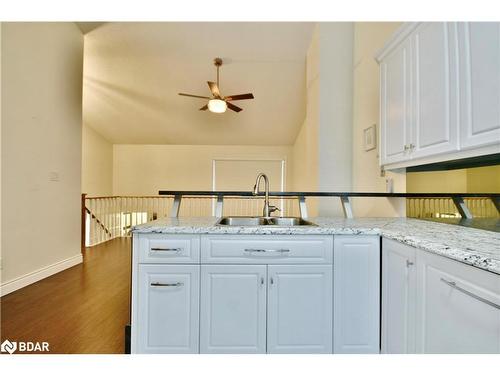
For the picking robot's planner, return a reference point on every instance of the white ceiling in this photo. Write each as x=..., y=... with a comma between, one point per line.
x=133, y=72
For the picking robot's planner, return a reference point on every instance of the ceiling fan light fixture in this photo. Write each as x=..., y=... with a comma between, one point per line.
x=217, y=106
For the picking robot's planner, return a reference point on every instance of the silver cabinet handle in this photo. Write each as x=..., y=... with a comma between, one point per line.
x=167, y=284
x=409, y=263
x=174, y=249
x=261, y=281
x=406, y=147
x=470, y=294
x=281, y=251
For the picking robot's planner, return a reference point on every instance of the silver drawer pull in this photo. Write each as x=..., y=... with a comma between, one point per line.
x=280, y=251
x=173, y=249
x=167, y=284
x=470, y=294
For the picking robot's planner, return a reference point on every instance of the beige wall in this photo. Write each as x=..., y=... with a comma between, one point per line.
x=145, y=169
x=97, y=163
x=305, y=148
x=41, y=146
x=483, y=179
x=369, y=37
x=454, y=181
x=471, y=180
x=1, y=240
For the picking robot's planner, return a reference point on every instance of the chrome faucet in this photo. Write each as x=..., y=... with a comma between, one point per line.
x=266, y=212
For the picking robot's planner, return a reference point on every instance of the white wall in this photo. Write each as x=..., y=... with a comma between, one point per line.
x=369, y=37
x=97, y=163
x=322, y=151
x=145, y=169
x=335, y=113
x=305, y=148
x=41, y=149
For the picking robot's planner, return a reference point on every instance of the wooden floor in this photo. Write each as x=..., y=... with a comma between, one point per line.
x=83, y=309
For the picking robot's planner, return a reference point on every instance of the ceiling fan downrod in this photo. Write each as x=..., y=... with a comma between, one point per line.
x=218, y=63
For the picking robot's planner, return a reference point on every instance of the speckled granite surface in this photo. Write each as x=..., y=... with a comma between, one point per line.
x=476, y=247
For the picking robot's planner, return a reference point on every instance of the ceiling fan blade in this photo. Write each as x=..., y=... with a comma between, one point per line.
x=194, y=96
x=214, y=89
x=204, y=108
x=239, y=97
x=233, y=107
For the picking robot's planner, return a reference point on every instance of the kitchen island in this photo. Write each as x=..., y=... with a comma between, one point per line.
x=202, y=287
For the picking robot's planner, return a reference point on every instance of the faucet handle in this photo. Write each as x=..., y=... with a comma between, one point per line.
x=273, y=209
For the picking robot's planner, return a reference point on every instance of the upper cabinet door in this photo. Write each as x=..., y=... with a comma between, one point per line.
x=233, y=309
x=395, y=105
x=435, y=88
x=300, y=309
x=479, y=53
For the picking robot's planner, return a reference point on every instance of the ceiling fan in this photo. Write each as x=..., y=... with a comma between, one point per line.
x=218, y=103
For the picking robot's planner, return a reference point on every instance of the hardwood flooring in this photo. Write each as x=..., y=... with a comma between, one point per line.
x=83, y=309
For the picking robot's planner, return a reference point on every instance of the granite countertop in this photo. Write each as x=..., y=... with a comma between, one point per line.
x=476, y=247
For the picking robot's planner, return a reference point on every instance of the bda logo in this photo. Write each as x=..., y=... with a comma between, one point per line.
x=8, y=346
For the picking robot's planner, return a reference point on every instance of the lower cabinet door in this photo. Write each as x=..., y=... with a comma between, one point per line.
x=299, y=309
x=356, y=266
x=233, y=309
x=458, y=307
x=168, y=309
x=398, y=297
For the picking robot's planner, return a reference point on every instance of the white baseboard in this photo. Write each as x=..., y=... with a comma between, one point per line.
x=32, y=277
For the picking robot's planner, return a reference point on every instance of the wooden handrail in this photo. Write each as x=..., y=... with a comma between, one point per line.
x=83, y=223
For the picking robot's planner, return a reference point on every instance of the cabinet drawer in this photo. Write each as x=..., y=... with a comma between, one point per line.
x=160, y=248
x=266, y=250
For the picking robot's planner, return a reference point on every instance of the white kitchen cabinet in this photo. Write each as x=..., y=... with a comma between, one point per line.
x=299, y=309
x=479, y=54
x=167, y=309
x=398, y=298
x=458, y=307
x=233, y=309
x=439, y=93
x=356, y=268
x=252, y=294
x=434, y=89
x=395, y=105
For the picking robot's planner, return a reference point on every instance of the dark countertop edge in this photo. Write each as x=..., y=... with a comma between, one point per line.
x=327, y=194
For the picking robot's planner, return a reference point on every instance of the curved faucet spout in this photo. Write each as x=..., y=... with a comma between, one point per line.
x=266, y=212
x=261, y=176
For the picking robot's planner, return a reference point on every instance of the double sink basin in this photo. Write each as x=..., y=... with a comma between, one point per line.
x=263, y=221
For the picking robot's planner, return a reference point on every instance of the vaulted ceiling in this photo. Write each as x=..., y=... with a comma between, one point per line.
x=133, y=72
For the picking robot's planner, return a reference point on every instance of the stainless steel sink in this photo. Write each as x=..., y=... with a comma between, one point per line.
x=242, y=221
x=288, y=221
x=262, y=221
